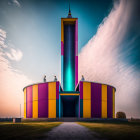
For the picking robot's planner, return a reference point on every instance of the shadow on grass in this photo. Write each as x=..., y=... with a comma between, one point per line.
x=115, y=131
x=29, y=130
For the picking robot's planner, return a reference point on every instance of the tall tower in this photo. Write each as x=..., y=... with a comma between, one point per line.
x=69, y=52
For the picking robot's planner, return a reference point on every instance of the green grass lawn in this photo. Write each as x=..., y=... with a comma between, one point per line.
x=27, y=130
x=115, y=131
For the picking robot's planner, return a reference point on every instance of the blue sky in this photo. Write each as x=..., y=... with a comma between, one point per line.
x=34, y=27
x=108, y=46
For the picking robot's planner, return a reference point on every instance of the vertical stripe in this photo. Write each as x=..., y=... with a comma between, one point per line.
x=35, y=92
x=76, y=38
x=109, y=102
x=25, y=103
x=76, y=70
x=43, y=100
x=35, y=109
x=104, y=101
x=24, y=110
x=62, y=69
x=76, y=52
x=52, y=109
x=25, y=95
x=62, y=48
x=62, y=31
x=57, y=108
x=95, y=100
x=52, y=100
x=86, y=91
x=81, y=89
x=52, y=91
x=57, y=90
x=113, y=103
x=29, y=102
x=81, y=108
x=86, y=100
x=35, y=101
x=86, y=108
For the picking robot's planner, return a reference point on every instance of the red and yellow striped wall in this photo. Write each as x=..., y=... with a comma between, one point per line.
x=42, y=100
x=96, y=100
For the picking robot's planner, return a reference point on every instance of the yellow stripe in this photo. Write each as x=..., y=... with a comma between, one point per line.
x=86, y=91
x=25, y=110
x=35, y=109
x=69, y=94
x=35, y=92
x=25, y=95
x=86, y=108
x=104, y=101
x=113, y=103
x=52, y=109
x=25, y=103
x=52, y=91
x=68, y=19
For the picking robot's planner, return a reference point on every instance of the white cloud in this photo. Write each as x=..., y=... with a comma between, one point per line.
x=11, y=53
x=14, y=54
x=2, y=38
x=100, y=60
x=14, y=2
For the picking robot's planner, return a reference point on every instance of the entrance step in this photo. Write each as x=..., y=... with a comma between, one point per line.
x=68, y=119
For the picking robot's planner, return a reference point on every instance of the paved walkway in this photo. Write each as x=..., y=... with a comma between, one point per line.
x=71, y=131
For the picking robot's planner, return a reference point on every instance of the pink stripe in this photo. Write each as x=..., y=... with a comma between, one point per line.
x=43, y=100
x=81, y=89
x=29, y=102
x=76, y=38
x=76, y=70
x=62, y=48
x=57, y=90
x=76, y=52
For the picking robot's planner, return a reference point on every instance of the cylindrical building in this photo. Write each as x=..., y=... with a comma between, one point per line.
x=83, y=100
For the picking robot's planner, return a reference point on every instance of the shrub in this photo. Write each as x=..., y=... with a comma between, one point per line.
x=121, y=115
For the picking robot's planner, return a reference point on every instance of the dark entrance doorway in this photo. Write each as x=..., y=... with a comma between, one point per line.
x=70, y=106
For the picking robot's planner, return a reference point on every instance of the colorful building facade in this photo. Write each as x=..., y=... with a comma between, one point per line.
x=83, y=100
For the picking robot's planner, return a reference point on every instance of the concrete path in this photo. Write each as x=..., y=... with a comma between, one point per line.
x=71, y=131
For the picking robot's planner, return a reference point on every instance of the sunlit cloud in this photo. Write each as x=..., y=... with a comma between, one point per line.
x=100, y=59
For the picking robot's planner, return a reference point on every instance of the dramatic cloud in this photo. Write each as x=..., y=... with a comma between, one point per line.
x=100, y=59
x=12, y=82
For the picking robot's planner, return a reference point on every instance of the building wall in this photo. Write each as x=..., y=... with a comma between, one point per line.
x=96, y=100
x=42, y=100
x=69, y=53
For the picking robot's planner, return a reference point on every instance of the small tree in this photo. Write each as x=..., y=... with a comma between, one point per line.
x=121, y=115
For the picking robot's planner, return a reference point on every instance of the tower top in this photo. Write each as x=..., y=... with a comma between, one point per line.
x=69, y=14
